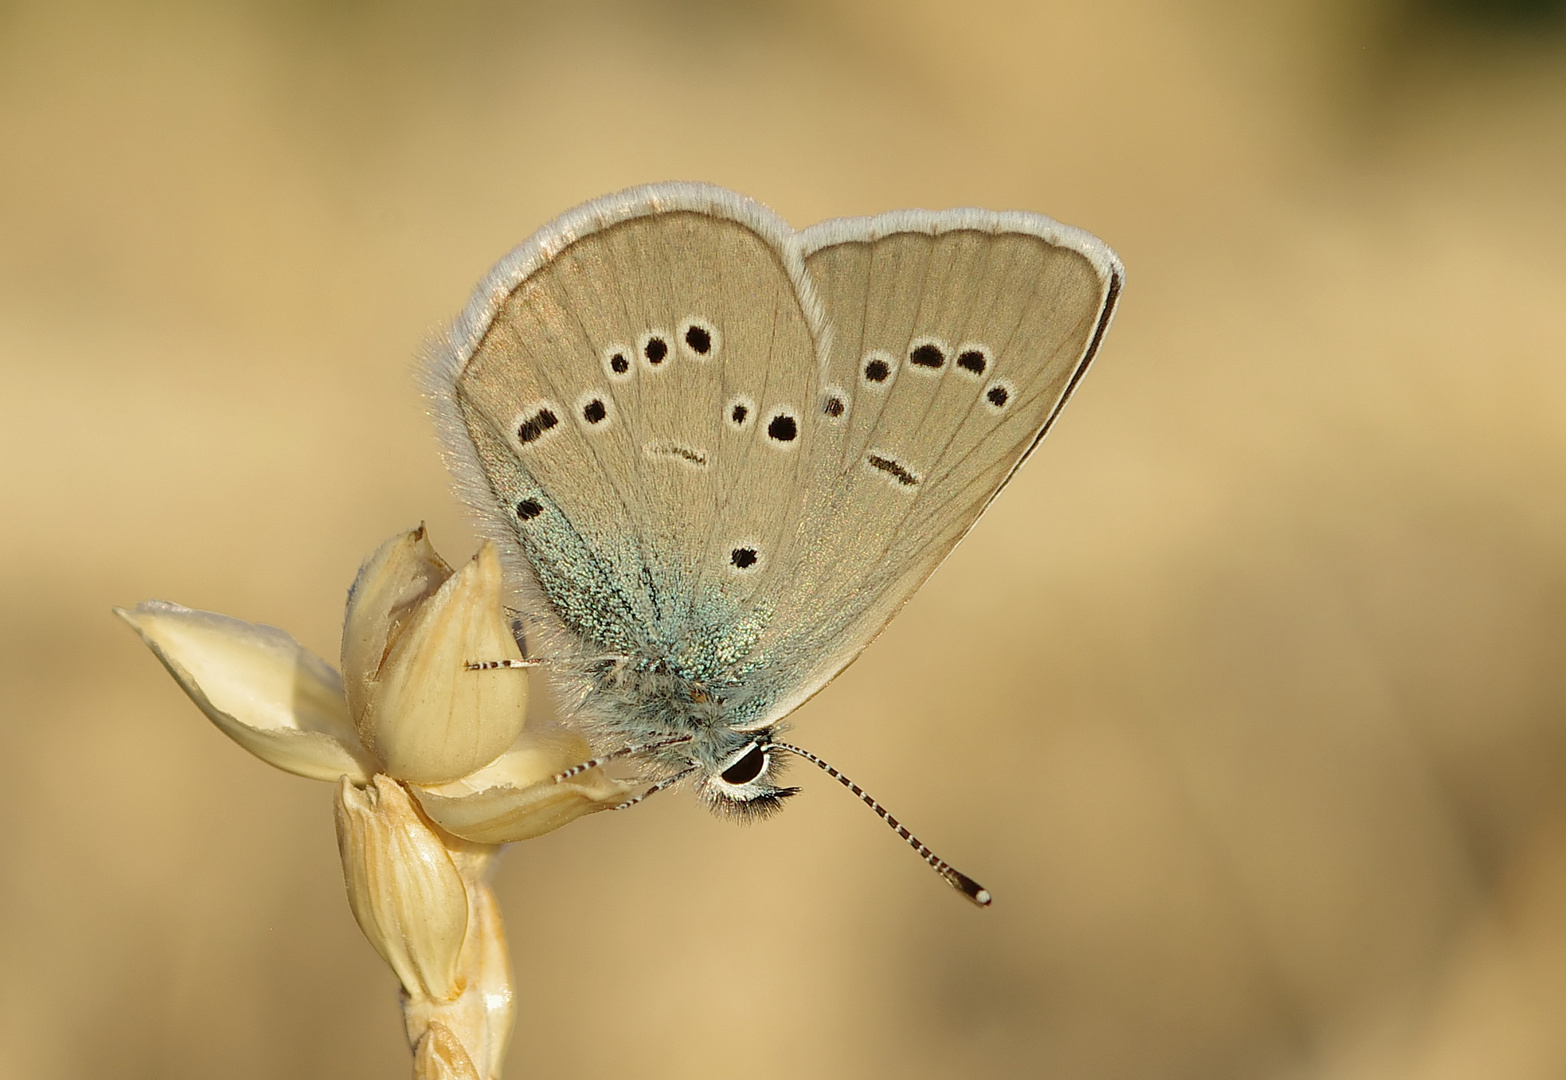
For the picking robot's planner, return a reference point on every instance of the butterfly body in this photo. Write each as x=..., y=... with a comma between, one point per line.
x=681, y=723
x=719, y=454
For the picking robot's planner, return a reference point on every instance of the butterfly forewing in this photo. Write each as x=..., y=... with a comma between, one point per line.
x=957, y=346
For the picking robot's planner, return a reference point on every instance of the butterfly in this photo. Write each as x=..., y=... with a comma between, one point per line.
x=718, y=454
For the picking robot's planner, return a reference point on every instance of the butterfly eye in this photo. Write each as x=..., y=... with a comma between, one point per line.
x=746, y=768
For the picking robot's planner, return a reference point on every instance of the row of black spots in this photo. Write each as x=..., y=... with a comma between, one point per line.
x=696, y=338
x=892, y=469
x=652, y=350
x=930, y=355
x=782, y=426
x=596, y=412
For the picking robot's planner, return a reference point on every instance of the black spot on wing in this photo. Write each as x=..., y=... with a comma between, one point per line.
x=892, y=468
x=783, y=428
x=677, y=452
x=973, y=361
x=997, y=396
x=533, y=428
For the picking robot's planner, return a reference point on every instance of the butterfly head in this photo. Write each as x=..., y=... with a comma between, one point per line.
x=743, y=783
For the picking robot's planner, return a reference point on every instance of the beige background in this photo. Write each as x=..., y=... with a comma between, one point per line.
x=1248, y=700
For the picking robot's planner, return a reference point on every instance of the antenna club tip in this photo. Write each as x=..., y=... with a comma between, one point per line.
x=954, y=877
x=970, y=888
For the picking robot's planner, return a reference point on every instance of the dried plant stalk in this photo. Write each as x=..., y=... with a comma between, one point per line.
x=422, y=899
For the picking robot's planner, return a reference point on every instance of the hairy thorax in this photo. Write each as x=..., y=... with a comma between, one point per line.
x=636, y=701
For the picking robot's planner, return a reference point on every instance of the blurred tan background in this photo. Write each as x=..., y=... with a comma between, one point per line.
x=1247, y=700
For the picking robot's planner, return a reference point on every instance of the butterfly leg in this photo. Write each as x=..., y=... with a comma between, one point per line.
x=659, y=786
x=624, y=751
x=529, y=662
x=496, y=665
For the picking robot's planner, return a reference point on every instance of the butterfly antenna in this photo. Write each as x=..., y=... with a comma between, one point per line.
x=954, y=877
x=659, y=786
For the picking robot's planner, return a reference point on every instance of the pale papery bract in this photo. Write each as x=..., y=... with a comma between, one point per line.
x=406, y=704
x=436, y=766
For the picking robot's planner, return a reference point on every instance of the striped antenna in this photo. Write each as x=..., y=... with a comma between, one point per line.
x=954, y=877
